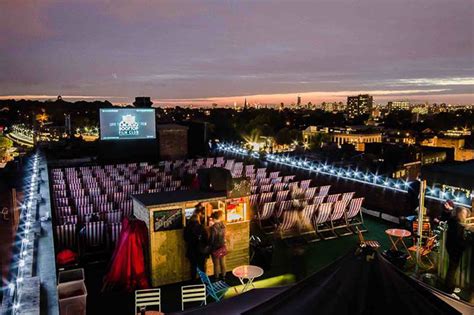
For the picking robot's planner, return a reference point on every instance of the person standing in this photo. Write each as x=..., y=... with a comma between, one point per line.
x=446, y=212
x=195, y=236
x=455, y=245
x=217, y=244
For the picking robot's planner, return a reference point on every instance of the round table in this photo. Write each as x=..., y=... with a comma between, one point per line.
x=246, y=275
x=396, y=236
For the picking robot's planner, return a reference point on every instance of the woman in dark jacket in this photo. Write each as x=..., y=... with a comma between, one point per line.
x=196, y=239
x=217, y=243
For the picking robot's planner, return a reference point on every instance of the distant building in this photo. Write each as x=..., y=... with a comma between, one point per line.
x=343, y=136
x=143, y=101
x=298, y=101
x=398, y=105
x=359, y=105
x=460, y=153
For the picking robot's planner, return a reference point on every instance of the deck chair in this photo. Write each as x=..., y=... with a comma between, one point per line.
x=338, y=220
x=372, y=244
x=333, y=198
x=425, y=251
x=324, y=190
x=322, y=222
x=282, y=207
x=265, y=214
x=193, y=293
x=146, y=298
x=216, y=290
x=354, y=214
x=290, y=222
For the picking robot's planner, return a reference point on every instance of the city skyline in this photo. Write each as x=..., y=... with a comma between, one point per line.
x=211, y=52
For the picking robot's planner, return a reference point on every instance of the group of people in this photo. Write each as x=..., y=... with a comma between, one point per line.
x=202, y=242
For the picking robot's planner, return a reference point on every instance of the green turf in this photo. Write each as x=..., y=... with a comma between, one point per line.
x=302, y=258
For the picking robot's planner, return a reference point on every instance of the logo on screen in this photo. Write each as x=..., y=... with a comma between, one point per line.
x=128, y=126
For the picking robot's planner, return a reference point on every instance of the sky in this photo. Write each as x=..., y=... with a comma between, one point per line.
x=222, y=51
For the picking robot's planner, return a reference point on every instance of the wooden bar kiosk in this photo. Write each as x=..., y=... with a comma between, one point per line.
x=165, y=214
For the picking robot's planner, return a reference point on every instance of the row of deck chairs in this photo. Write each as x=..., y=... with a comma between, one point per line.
x=83, y=195
x=91, y=238
x=326, y=220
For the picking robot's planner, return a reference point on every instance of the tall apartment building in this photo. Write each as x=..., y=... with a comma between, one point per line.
x=359, y=105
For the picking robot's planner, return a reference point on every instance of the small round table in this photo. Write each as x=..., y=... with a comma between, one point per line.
x=396, y=236
x=249, y=273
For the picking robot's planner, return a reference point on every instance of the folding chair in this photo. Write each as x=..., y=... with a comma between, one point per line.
x=324, y=190
x=425, y=252
x=193, y=293
x=337, y=218
x=372, y=244
x=289, y=223
x=147, y=297
x=321, y=221
x=266, y=213
x=214, y=289
x=333, y=198
x=354, y=214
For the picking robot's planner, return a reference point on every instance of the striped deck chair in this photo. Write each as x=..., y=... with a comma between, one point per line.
x=66, y=236
x=63, y=211
x=304, y=184
x=276, y=180
x=324, y=190
x=310, y=193
x=60, y=193
x=265, y=214
x=274, y=174
x=253, y=189
x=112, y=216
x=288, y=178
x=254, y=201
x=297, y=193
x=94, y=238
x=83, y=211
x=293, y=185
x=307, y=214
x=279, y=186
x=318, y=200
x=290, y=220
x=68, y=219
x=113, y=230
x=338, y=220
x=354, y=214
x=264, y=181
x=266, y=188
x=333, y=198
x=282, y=207
x=282, y=195
x=347, y=197
x=266, y=197
x=322, y=223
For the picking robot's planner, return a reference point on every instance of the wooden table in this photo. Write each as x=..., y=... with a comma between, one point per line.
x=396, y=236
x=249, y=273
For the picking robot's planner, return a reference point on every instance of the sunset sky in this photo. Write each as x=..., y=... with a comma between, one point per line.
x=199, y=52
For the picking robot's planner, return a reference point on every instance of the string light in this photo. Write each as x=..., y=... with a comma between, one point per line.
x=323, y=168
x=26, y=217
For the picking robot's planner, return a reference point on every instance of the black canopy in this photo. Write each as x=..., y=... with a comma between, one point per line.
x=360, y=282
